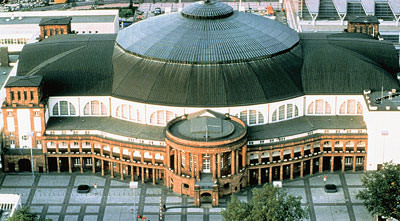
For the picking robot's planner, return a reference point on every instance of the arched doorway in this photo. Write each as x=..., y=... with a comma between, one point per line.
x=24, y=165
x=205, y=198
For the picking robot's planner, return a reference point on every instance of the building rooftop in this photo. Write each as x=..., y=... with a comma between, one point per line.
x=74, y=19
x=24, y=81
x=55, y=21
x=382, y=100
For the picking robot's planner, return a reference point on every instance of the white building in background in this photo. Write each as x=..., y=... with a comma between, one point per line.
x=20, y=28
x=8, y=204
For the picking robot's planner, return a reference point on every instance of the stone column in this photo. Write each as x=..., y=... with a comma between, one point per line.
x=111, y=169
x=281, y=173
x=167, y=158
x=332, y=162
x=219, y=165
x=102, y=167
x=270, y=175
x=193, y=169
x=179, y=162
x=81, y=159
x=175, y=161
x=93, y=165
x=121, y=167
x=244, y=153
x=213, y=166
x=154, y=176
x=80, y=147
x=132, y=177
x=259, y=176
x=69, y=165
x=232, y=162
x=142, y=174
x=311, y=166
x=58, y=165
x=321, y=160
x=343, y=161
x=354, y=163
x=237, y=162
x=301, y=168
x=291, y=171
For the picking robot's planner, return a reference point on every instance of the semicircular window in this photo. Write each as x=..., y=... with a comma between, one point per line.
x=64, y=108
x=95, y=108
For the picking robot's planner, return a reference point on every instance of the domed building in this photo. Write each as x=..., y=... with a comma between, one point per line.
x=208, y=100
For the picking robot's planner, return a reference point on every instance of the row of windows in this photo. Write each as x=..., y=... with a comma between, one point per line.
x=250, y=117
x=54, y=31
x=24, y=95
x=13, y=41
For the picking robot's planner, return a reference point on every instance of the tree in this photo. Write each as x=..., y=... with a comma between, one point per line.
x=381, y=195
x=23, y=214
x=267, y=204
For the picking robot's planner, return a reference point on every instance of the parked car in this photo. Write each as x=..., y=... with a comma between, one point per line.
x=83, y=189
x=157, y=11
x=330, y=188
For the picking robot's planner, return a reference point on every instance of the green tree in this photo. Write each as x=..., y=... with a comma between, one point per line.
x=23, y=214
x=381, y=195
x=269, y=204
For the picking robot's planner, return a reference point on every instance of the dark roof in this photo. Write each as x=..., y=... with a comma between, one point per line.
x=55, y=21
x=303, y=125
x=24, y=81
x=108, y=125
x=207, y=10
x=71, y=64
x=238, y=37
x=364, y=19
x=80, y=65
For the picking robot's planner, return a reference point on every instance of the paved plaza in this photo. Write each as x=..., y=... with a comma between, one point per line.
x=54, y=196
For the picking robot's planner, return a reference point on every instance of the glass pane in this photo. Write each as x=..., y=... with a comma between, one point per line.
x=310, y=109
x=289, y=110
x=252, y=117
x=260, y=118
x=319, y=107
x=64, y=107
x=282, y=112
x=55, y=109
x=71, y=109
x=274, y=116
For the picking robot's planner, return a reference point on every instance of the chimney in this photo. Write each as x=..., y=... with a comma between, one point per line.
x=4, y=61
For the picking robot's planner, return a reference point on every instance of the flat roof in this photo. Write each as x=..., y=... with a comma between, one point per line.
x=75, y=19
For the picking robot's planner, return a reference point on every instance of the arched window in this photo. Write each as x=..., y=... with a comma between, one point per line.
x=350, y=107
x=128, y=112
x=361, y=146
x=251, y=117
x=319, y=107
x=96, y=108
x=285, y=112
x=64, y=108
x=161, y=117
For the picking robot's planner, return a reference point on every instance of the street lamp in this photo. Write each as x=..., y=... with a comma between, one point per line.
x=26, y=137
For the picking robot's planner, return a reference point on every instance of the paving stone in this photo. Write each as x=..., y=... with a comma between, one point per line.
x=118, y=183
x=173, y=217
x=153, y=191
x=52, y=217
x=51, y=180
x=71, y=217
x=152, y=199
x=118, y=213
x=294, y=183
x=54, y=209
x=89, y=180
x=23, y=192
x=18, y=180
x=73, y=209
x=320, y=196
x=361, y=213
x=353, y=179
x=174, y=199
x=195, y=217
x=195, y=210
x=174, y=210
x=92, y=209
x=215, y=217
x=90, y=218
x=122, y=195
x=151, y=209
x=318, y=180
x=152, y=217
x=353, y=192
x=331, y=213
x=47, y=195
x=215, y=210
x=94, y=196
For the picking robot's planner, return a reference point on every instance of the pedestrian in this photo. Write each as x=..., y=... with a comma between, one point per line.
x=95, y=185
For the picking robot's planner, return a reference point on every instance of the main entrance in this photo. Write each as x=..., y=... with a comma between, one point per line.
x=24, y=165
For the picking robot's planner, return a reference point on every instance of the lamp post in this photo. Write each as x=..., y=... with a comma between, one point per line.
x=30, y=146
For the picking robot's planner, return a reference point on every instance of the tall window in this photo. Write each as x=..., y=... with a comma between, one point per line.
x=350, y=107
x=285, y=112
x=96, y=108
x=251, y=117
x=161, y=117
x=319, y=107
x=64, y=108
x=206, y=163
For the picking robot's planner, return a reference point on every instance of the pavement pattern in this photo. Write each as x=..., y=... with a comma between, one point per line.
x=55, y=196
